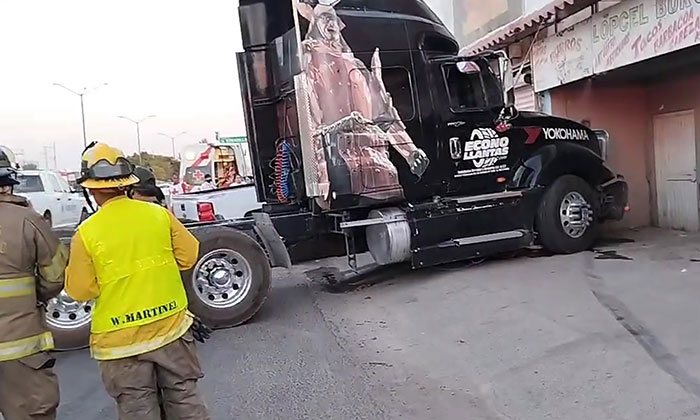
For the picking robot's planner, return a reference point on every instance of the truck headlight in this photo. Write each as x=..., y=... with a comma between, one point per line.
x=603, y=138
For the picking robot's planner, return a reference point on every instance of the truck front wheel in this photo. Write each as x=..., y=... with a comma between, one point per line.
x=231, y=279
x=566, y=221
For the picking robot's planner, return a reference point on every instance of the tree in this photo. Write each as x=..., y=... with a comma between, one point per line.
x=164, y=167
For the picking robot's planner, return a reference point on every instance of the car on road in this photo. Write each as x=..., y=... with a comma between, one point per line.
x=52, y=197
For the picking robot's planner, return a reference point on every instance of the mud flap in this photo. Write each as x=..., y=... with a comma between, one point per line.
x=276, y=250
x=614, y=199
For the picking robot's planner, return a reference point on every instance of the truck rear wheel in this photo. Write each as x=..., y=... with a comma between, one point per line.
x=565, y=221
x=49, y=219
x=69, y=322
x=231, y=280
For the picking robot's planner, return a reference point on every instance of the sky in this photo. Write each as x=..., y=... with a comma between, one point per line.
x=172, y=58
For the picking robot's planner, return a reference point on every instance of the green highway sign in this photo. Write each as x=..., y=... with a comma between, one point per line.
x=233, y=140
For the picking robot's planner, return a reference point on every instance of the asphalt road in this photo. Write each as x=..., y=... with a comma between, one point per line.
x=285, y=364
x=590, y=336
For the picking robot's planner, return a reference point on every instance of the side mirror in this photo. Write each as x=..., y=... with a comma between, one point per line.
x=468, y=67
x=510, y=111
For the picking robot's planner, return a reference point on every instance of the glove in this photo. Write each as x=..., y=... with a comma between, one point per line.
x=200, y=331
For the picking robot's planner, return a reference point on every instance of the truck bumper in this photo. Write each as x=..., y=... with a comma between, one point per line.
x=614, y=199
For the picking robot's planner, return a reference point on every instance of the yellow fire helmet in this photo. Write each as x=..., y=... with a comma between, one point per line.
x=104, y=167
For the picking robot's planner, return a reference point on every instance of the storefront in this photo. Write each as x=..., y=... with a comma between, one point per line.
x=634, y=70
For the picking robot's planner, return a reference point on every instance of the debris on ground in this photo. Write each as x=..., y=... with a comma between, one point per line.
x=611, y=255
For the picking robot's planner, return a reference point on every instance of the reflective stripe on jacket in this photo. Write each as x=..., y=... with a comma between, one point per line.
x=27, y=246
x=24, y=347
x=23, y=286
x=177, y=327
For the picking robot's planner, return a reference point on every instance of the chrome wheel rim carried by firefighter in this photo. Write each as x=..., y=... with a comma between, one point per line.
x=222, y=278
x=576, y=214
x=62, y=312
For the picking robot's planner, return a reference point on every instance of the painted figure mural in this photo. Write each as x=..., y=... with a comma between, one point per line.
x=353, y=120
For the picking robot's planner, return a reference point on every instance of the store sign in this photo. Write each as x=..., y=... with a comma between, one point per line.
x=636, y=30
x=563, y=58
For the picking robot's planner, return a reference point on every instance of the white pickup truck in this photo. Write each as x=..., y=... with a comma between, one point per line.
x=206, y=206
x=52, y=197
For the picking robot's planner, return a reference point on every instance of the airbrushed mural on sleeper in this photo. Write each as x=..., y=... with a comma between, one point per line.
x=353, y=123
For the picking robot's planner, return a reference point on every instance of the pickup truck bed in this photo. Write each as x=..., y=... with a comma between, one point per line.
x=228, y=203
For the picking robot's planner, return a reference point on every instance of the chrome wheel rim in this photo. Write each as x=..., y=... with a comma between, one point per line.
x=222, y=279
x=62, y=312
x=576, y=215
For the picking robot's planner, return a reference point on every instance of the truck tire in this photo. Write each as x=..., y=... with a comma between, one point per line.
x=69, y=322
x=71, y=339
x=565, y=220
x=49, y=219
x=231, y=280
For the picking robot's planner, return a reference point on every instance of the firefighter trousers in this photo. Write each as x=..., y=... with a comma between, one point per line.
x=29, y=388
x=172, y=371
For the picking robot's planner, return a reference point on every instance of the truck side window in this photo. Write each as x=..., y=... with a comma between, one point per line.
x=467, y=91
x=398, y=83
x=65, y=187
x=29, y=184
x=53, y=183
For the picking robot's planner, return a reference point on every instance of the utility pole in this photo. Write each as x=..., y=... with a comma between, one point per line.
x=55, y=159
x=138, y=133
x=172, y=138
x=84, y=92
x=47, y=151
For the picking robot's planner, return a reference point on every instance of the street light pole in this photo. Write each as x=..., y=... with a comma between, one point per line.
x=138, y=142
x=84, y=92
x=138, y=133
x=82, y=113
x=172, y=138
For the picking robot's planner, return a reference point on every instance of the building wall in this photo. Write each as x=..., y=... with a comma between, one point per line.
x=630, y=134
x=626, y=112
x=681, y=94
x=476, y=18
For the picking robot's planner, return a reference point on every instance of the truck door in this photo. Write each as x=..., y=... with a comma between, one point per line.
x=398, y=78
x=56, y=199
x=72, y=202
x=476, y=158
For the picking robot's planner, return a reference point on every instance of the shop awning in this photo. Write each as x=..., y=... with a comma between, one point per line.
x=527, y=25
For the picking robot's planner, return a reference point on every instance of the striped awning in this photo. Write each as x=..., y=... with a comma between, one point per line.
x=526, y=25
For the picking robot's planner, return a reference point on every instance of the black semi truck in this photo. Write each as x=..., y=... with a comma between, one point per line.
x=365, y=125
x=365, y=122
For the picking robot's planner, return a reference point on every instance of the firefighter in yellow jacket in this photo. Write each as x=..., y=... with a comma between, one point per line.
x=32, y=261
x=127, y=257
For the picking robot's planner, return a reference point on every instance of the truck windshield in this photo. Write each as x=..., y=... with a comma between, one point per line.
x=475, y=89
x=29, y=184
